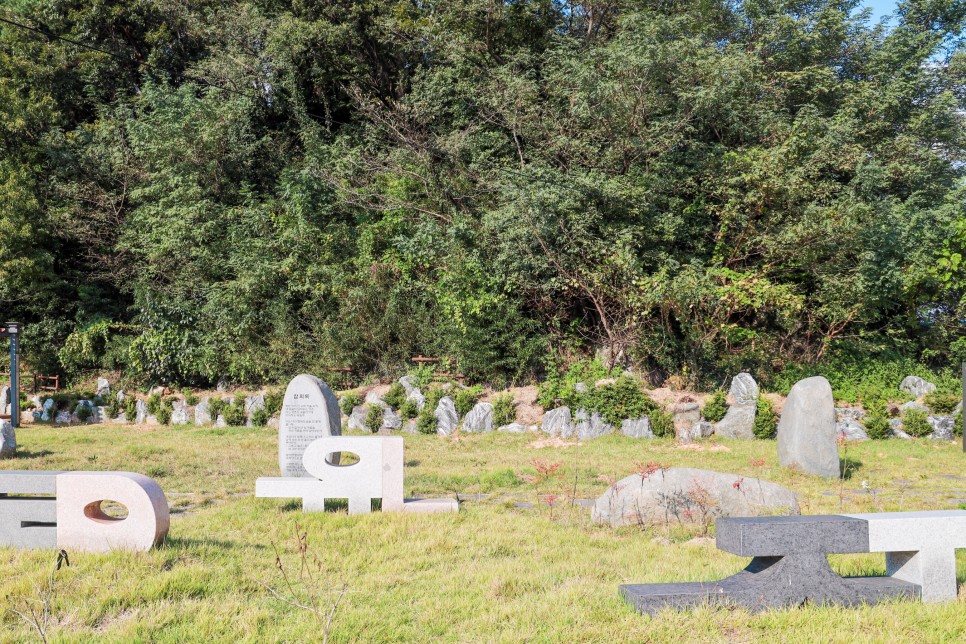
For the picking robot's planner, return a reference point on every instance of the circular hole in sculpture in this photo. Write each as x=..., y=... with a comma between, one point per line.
x=342, y=459
x=106, y=510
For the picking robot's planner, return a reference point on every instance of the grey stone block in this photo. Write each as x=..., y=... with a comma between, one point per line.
x=28, y=482
x=28, y=522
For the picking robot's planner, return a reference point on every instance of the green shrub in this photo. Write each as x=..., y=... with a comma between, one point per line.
x=396, y=396
x=348, y=402
x=877, y=426
x=465, y=398
x=131, y=408
x=260, y=417
x=84, y=412
x=958, y=423
x=216, y=406
x=504, y=411
x=164, y=412
x=915, y=424
x=766, y=420
x=422, y=375
x=273, y=401
x=234, y=413
x=716, y=407
x=409, y=410
x=426, y=421
x=940, y=403
x=190, y=397
x=662, y=423
x=559, y=385
x=154, y=404
x=26, y=405
x=433, y=396
x=617, y=401
x=113, y=408
x=374, y=418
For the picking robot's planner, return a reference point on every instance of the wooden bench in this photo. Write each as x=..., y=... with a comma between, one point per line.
x=789, y=565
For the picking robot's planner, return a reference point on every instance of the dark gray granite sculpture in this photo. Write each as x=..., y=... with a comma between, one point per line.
x=789, y=568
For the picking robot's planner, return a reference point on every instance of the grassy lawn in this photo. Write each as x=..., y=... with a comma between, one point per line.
x=493, y=572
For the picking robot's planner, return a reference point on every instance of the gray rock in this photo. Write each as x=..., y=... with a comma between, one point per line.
x=103, y=387
x=220, y=421
x=120, y=396
x=62, y=417
x=896, y=425
x=942, y=427
x=157, y=390
x=142, y=412
x=851, y=430
x=38, y=415
x=669, y=496
x=592, y=426
x=558, y=422
x=417, y=396
x=121, y=419
x=8, y=440
x=739, y=421
x=847, y=413
x=514, y=428
x=357, y=419
x=743, y=389
x=48, y=410
x=637, y=428
x=390, y=419
x=409, y=384
x=581, y=388
x=685, y=415
x=273, y=422
x=916, y=386
x=410, y=427
x=203, y=412
x=4, y=397
x=702, y=429
x=446, y=417
x=806, y=432
x=222, y=385
x=479, y=419
x=253, y=404
x=179, y=413
x=373, y=398
x=914, y=405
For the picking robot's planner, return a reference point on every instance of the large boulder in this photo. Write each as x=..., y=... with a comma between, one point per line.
x=806, y=432
x=895, y=424
x=62, y=417
x=558, y=422
x=479, y=419
x=48, y=410
x=8, y=440
x=103, y=387
x=701, y=429
x=141, y=412
x=446, y=416
x=409, y=384
x=591, y=426
x=943, y=427
x=637, y=427
x=417, y=396
x=689, y=495
x=253, y=404
x=916, y=386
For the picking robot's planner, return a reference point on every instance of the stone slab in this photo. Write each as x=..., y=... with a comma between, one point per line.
x=28, y=482
x=310, y=411
x=28, y=522
x=780, y=536
x=425, y=506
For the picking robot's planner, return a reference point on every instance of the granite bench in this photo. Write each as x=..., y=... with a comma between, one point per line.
x=789, y=565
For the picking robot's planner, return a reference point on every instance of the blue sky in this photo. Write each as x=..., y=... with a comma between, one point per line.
x=880, y=7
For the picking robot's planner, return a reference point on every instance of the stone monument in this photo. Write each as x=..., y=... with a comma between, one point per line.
x=309, y=411
x=806, y=432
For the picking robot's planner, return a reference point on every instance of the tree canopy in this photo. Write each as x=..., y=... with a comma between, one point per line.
x=253, y=188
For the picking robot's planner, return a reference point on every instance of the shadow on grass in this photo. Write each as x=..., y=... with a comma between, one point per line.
x=849, y=467
x=23, y=454
x=218, y=544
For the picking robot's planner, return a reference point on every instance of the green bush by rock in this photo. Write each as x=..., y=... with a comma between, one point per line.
x=465, y=398
x=716, y=407
x=374, y=418
x=504, y=410
x=942, y=404
x=408, y=410
x=877, y=426
x=396, y=396
x=348, y=402
x=915, y=423
x=662, y=423
x=617, y=401
x=426, y=422
x=766, y=419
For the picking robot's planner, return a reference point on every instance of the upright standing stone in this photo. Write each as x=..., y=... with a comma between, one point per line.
x=637, y=428
x=103, y=387
x=141, y=413
x=446, y=416
x=739, y=421
x=686, y=415
x=806, y=433
x=4, y=398
x=558, y=422
x=309, y=411
x=8, y=440
x=203, y=413
x=480, y=418
x=916, y=386
x=253, y=404
x=179, y=413
x=48, y=410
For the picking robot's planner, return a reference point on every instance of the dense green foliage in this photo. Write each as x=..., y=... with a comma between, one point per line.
x=251, y=189
x=915, y=423
x=396, y=396
x=877, y=425
x=766, y=419
x=617, y=400
x=942, y=403
x=504, y=409
x=374, y=418
x=662, y=423
x=716, y=407
x=348, y=402
x=465, y=398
